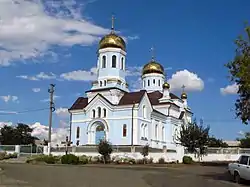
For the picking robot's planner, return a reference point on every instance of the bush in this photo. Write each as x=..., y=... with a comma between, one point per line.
x=2, y=155
x=69, y=159
x=187, y=160
x=105, y=149
x=161, y=161
x=83, y=159
x=48, y=159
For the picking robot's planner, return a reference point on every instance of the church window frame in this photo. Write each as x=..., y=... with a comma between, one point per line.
x=156, y=131
x=148, y=82
x=100, y=83
x=114, y=61
x=122, y=63
x=105, y=83
x=99, y=111
x=144, y=111
x=104, y=61
x=153, y=81
x=159, y=82
x=93, y=113
x=124, y=130
x=104, y=112
x=163, y=133
x=142, y=130
x=78, y=132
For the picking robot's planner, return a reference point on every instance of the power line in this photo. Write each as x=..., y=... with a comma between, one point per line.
x=21, y=112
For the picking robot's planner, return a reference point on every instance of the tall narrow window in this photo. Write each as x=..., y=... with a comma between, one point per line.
x=159, y=82
x=99, y=112
x=156, y=132
x=105, y=82
x=146, y=130
x=104, y=62
x=113, y=61
x=154, y=81
x=93, y=113
x=144, y=83
x=122, y=63
x=144, y=111
x=77, y=132
x=100, y=83
x=124, y=130
x=142, y=130
x=148, y=82
x=163, y=134
x=104, y=112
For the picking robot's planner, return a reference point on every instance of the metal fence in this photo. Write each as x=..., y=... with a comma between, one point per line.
x=7, y=147
x=229, y=150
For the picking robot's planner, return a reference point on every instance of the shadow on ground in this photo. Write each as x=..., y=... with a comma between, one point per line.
x=222, y=177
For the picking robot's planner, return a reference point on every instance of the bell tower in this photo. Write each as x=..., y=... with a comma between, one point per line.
x=111, y=62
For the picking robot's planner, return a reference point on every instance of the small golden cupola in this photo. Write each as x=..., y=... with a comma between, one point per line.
x=112, y=40
x=184, y=94
x=166, y=85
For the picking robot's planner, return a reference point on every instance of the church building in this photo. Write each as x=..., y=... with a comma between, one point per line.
x=110, y=111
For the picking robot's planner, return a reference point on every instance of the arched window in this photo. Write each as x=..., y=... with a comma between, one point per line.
x=104, y=63
x=122, y=63
x=145, y=130
x=124, y=130
x=153, y=81
x=99, y=112
x=105, y=83
x=100, y=83
x=159, y=82
x=144, y=83
x=77, y=132
x=163, y=134
x=144, y=111
x=148, y=82
x=104, y=112
x=93, y=113
x=156, y=132
x=113, y=61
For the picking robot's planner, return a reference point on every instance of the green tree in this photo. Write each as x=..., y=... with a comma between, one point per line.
x=239, y=70
x=214, y=142
x=194, y=137
x=17, y=135
x=245, y=142
x=105, y=149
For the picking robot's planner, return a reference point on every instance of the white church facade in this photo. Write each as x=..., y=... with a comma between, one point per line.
x=109, y=111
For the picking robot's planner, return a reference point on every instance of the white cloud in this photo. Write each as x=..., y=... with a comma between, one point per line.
x=29, y=29
x=54, y=97
x=191, y=81
x=5, y=123
x=36, y=90
x=80, y=75
x=8, y=98
x=136, y=37
x=135, y=85
x=62, y=112
x=39, y=76
x=230, y=89
x=41, y=131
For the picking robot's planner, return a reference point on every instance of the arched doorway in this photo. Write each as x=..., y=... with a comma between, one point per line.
x=99, y=133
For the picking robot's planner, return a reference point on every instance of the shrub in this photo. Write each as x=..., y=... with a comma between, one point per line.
x=187, y=160
x=48, y=159
x=144, y=152
x=161, y=161
x=69, y=159
x=150, y=161
x=83, y=159
x=2, y=155
x=13, y=155
x=105, y=149
x=140, y=161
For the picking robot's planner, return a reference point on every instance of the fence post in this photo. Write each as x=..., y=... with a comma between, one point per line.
x=17, y=150
x=45, y=150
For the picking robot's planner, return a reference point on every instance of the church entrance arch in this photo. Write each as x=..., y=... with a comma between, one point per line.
x=99, y=133
x=97, y=130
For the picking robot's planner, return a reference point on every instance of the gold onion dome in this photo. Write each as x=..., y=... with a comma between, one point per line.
x=112, y=40
x=153, y=67
x=166, y=85
x=183, y=95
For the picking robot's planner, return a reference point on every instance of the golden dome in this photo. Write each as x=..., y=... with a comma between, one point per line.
x=153, y=67
x=183, y=95
x=166, y=85
x=112, y=40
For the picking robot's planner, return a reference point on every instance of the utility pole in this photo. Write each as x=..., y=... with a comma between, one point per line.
x=52, y=109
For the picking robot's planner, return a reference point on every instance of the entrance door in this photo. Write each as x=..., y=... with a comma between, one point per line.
x=99, y=134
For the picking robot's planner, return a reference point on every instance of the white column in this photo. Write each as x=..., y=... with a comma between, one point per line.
x=17, y=150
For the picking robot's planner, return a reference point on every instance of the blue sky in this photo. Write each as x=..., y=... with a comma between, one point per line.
x=195, y=36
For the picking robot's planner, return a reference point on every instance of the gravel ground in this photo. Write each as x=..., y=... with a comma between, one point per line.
x=25, y=175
